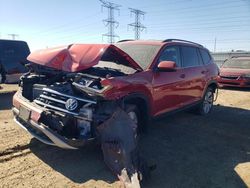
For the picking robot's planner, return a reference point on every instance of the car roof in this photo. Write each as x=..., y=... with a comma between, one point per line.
x=161, y=42
x=7, y=40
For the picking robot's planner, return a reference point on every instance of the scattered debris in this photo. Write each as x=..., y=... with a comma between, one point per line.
x=119, y=145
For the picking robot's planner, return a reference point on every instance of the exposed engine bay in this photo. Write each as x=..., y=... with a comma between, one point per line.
x=71, y=100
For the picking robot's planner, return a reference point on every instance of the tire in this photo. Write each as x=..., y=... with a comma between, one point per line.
x=134, y=114
x=206, y=105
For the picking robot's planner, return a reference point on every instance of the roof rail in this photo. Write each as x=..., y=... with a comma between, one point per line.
x=125, y=40
x=180, y=40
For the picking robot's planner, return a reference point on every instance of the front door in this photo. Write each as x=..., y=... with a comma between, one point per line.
x=168, y=86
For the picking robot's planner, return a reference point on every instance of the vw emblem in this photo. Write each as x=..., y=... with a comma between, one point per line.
x=71, y=104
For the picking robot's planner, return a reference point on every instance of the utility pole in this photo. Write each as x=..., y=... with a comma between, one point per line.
x=215, y=44
x=13, y=36
x=138, y=27
x=110, y=22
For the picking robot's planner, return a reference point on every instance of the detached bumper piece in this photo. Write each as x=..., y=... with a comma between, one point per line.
x=120, y=151
x=45, y=134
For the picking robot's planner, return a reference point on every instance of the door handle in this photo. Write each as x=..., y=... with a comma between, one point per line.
x=182, y=75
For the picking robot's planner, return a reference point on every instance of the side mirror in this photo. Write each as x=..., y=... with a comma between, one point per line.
x=166, y=66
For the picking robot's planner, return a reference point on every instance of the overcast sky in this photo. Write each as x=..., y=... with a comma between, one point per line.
x=48, y=23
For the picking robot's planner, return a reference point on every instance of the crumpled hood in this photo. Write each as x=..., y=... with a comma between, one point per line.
x=233, y=71
x=77, y=57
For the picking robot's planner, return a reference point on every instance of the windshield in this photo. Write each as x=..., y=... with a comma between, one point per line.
x=237, y=63
x=140, y=53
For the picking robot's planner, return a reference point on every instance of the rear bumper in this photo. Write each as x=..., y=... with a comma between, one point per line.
x=40, y=131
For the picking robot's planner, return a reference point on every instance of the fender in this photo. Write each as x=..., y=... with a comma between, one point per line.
x=132, y=96
x=208, y=84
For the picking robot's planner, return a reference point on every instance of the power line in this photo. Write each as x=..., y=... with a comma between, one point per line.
x=200, y=8
x=110, y=22
x=66, y=25
x=138, y=27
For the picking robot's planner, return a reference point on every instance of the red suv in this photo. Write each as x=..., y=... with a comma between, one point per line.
x=235, y=72
x=69, y=91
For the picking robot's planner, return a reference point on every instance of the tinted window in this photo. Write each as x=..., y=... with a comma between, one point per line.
x=205, y=56
x=14, y=49
x=190, y=56
x=171, y=53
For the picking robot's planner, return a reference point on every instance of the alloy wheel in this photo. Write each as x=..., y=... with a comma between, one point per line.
x=208, y=102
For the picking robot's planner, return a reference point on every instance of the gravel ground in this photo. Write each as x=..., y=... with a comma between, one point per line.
x=189, y=151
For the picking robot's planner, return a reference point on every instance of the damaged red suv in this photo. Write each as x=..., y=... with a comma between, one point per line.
x=71, y=90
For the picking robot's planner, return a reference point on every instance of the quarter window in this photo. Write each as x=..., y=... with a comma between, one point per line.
x=190, y=56
x=205, y=56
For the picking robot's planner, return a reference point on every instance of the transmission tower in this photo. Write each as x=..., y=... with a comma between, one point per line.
x=13, y=36
x=138, y=27
x=110, y=22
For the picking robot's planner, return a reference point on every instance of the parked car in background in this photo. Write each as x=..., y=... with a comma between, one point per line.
x=70, y=90
x=13, y=56
x=235, y=72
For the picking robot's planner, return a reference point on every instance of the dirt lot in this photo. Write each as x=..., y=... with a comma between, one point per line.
x=189, y=151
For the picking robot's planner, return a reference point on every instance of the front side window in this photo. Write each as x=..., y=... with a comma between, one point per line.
x=189, y=56
x=171, y=53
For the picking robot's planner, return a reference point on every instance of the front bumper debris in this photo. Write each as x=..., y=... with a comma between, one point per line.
x=28, y=119
x=119, y=146
x=46, y=135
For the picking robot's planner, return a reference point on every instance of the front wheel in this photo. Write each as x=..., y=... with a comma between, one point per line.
x=206, y=105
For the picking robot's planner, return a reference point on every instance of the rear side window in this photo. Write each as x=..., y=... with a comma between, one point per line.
x=189, y=56
x=205, y=56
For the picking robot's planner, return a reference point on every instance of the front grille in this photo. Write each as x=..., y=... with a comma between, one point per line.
x=55, y=100
x=230, y=77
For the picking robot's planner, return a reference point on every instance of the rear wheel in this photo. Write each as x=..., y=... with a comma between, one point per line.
x=207, y=103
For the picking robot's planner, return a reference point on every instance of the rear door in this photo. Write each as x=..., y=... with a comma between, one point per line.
x=194, y=73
